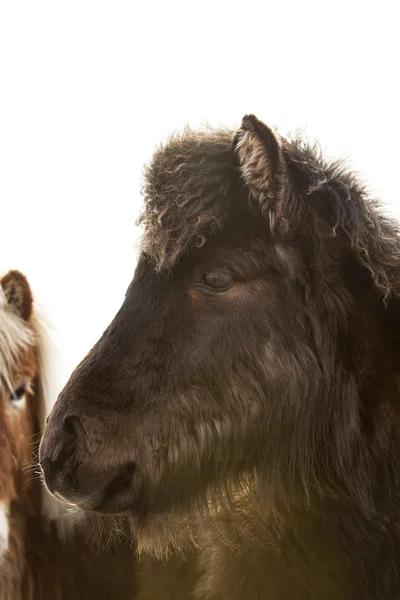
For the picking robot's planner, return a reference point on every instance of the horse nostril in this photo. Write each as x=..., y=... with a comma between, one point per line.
x=62, y=451
x=71, y=424
x=69, y=444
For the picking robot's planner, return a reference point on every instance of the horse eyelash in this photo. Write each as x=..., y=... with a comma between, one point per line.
x=18, y=392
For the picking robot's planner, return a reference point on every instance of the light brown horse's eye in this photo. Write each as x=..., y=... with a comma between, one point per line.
x=217, y=280
x=18, y=393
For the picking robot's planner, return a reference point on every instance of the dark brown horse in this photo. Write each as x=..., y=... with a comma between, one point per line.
x=245, y=400
x=43, y=556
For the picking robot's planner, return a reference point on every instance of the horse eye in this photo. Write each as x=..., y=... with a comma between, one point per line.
x=18, y=393
x=217, y=280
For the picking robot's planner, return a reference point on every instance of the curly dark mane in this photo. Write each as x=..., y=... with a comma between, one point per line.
x=186, y=194
x=373, y=236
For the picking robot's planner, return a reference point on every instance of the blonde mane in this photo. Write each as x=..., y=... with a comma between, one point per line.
x=15, y=337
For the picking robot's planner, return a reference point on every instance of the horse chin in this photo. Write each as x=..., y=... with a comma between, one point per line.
x=120, y=505
x=156, y=534
x=117, y=500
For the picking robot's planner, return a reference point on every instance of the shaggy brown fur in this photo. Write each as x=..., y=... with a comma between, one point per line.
x=243, y=406
x=35, y=563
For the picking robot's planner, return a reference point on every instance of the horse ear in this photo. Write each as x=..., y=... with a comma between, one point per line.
x=18, y=293
x=262, y=165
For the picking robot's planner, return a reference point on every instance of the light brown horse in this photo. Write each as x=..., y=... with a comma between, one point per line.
x=41, y=556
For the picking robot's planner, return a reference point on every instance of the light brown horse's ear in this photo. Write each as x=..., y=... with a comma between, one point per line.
x=18, y=293
x=262, y=164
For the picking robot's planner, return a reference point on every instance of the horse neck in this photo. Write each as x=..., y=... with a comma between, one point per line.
x=13, y=563
x=316, y=551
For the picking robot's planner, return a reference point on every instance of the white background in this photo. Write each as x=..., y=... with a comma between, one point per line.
x=88, y=89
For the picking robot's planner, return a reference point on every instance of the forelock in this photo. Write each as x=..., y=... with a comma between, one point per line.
x=186, y=194
x=15, y=337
